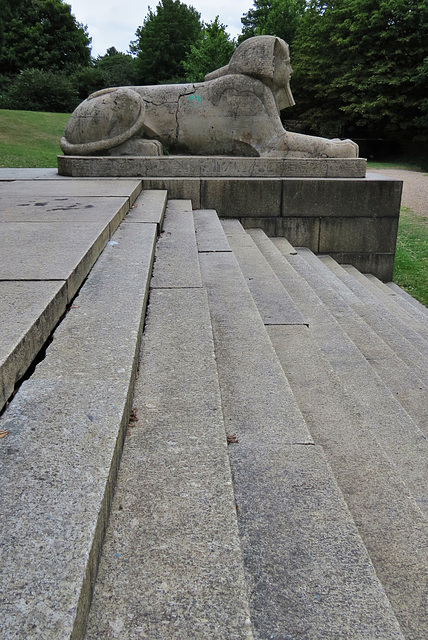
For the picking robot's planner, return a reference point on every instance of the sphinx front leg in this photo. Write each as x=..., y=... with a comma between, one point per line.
x=290, y=144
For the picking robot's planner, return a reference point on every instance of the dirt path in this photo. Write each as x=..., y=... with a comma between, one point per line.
x=415, y=188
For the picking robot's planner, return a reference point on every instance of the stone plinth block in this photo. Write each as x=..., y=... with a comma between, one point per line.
x=210, y=166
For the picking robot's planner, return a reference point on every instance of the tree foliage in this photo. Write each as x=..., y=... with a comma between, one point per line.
x=273, y=17
x=164, y=40
x=43, y=34
x=357, y=62
x=214, y=50
x=117, y=69
x=40, y=90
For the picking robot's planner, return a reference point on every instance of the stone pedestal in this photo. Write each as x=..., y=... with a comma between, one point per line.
x=328, y=204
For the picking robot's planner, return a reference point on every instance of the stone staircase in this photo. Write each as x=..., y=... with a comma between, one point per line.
x=273, y=480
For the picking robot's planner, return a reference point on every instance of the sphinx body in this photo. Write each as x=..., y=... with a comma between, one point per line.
x=235, y=112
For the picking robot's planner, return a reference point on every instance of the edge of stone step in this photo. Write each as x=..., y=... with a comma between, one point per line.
x=414, y=323
x=390, y=422
x=274, y=304
x=410, y=346
x=407, y=298
x=177, y=249
x=172, y=561
x=297, y=533
x=393, y=486
x=65, y=429
x=40, y=315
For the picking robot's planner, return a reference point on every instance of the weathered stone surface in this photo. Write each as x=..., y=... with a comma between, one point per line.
x=178, y=188
x=172, y=562
x=242, y=197
x=371, y=235
x=373, y=197
x=273, y=302
x=64, y=209
x=380, y=264
x=49, y=253
x=211, y=167
x=402, y=440
x=66, y=188
x=149, y=207
x=60, y=457
x=177, y=262
x=301, y=232
x=28, y=174
x=304, y=560
x=378, y=499
x=235, y=112
x=209, y=232
x=29, y=312
x=267, y=224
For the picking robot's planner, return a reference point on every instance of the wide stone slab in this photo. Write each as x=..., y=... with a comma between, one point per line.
x=211, y=166
x=209, y=232
x=60, y=457
x=51, y=251
x=177, y=263
x=62, y=188
x=29, y=174
x=172, y=562
x=149, y=207
x=29, y=312
x=66, y=209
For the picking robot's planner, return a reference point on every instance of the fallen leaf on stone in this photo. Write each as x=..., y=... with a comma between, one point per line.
x=233, y=439
x=133, y=415
x=3, y=434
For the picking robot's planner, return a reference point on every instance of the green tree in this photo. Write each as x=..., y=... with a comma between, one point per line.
x=40, y=90
x=117, y=69
x=273, y=17
x=163, y=41
x=43, y=34
x=7, y=9
x=355, y=64
x=214, y=50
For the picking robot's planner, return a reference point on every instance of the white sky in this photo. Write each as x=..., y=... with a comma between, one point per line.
x=113, y=23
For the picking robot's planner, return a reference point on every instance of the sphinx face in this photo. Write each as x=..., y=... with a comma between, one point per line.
x=281, y=78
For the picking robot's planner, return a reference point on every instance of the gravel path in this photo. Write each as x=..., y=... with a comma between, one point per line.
x=415, y=188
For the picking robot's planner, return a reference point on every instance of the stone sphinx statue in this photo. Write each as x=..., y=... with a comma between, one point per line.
x=234, y=112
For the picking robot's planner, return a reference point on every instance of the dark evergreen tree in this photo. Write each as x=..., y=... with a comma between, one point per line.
x=273, y=17
x=44, y=35
x=357, y=64
x=214, y=50
x=117, y=69
x=164, y=40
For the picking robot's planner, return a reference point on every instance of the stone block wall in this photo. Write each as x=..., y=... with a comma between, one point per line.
x=355, y=220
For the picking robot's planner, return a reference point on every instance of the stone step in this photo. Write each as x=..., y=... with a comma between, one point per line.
x=382, y=346
x=400, y=436
x=304, y=560
x=37, y=285
x=59, y=459
x=172, y=561
x=408, y=302
x=412, y=328
x=349, y=412
x=273, y=302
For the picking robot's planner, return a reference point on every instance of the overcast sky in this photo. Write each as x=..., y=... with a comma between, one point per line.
x=113, y=23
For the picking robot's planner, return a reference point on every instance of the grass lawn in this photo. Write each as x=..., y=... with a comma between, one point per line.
x=30, y=138
x=411, y=257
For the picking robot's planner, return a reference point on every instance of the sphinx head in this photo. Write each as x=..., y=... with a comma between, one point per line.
x=266, y=58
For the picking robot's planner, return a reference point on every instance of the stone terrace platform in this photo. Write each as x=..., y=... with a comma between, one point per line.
x=252, y=465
